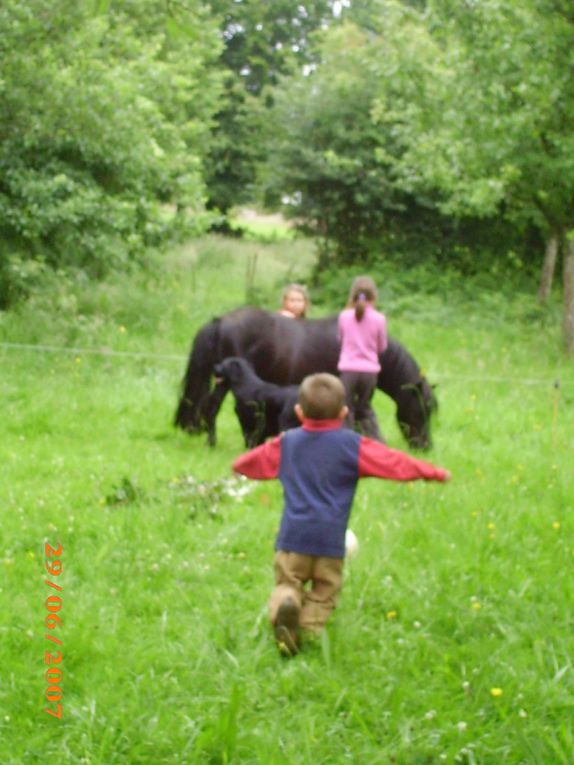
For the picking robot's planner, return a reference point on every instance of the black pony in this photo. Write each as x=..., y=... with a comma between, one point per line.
x=283, y=351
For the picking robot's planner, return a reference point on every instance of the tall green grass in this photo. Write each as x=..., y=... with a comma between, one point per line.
x=457, y=591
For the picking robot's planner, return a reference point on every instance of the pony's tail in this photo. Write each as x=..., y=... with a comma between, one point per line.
x=196, y=383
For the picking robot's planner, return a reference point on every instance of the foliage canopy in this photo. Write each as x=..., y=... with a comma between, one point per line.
x=427, y=129
x=104, y=120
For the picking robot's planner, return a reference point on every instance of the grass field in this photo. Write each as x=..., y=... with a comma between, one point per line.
x=453, y=641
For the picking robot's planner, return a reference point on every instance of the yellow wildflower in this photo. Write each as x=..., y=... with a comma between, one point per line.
x=496, y=692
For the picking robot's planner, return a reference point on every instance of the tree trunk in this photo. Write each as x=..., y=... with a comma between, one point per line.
x=568, y=314
x=548, y=267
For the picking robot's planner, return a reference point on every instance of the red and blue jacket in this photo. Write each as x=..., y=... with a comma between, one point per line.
x=319, y=465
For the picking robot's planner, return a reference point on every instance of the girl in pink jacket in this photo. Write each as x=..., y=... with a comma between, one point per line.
x=363, y=336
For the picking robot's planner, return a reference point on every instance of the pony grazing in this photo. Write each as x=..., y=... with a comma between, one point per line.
x=283, y=351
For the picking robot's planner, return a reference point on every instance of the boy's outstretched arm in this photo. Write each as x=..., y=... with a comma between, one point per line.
x=378, y=461
x=262, y=462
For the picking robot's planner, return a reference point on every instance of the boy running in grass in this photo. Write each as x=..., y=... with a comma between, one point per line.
x=319, y=465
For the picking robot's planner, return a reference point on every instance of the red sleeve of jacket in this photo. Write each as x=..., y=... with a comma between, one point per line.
x=262, y=462
x=378, y=461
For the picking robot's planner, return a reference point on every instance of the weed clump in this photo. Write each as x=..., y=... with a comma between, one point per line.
x=207, y=497
x=125, y=493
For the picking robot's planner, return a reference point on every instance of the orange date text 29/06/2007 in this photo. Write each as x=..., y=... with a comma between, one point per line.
x=53, y=623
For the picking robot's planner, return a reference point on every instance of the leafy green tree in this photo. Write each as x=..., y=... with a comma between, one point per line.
x=104, y=121
x=337, y=144
x=262, y=42
x=237, y=147
x=491, y=129
x=340, y=136
x=370, y=15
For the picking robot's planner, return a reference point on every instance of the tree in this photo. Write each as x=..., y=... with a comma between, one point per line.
x=262, y=42
x=104, y=120
x=337, y=141
x=491, y=129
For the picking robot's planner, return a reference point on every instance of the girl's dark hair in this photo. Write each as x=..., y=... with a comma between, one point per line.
x=363, y=291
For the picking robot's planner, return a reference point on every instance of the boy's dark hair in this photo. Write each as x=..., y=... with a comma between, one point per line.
x=321, y=396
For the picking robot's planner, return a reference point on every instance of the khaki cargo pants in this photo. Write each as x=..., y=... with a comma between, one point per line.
x=292, y=572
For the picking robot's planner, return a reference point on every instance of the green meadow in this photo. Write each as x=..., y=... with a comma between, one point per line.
x=453, y=641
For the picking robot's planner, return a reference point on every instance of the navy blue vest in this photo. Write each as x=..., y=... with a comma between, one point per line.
x=319, y=471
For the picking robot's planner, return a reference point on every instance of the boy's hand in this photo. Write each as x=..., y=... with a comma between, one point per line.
x=447, y=475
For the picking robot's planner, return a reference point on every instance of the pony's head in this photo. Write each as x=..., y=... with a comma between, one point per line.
x=415, y=406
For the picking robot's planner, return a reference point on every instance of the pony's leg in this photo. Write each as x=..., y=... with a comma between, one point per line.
x=255, y=425
x=212, y=408
x=248, y=425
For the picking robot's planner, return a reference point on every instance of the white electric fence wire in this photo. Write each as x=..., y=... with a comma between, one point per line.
x=93, y=351
x=557, y=383
x=175, y=357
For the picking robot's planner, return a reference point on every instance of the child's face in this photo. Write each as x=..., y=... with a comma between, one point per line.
x=294, y=302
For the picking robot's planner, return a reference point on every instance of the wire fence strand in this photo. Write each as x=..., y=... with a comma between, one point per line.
x=91, y=351
x=109, y=352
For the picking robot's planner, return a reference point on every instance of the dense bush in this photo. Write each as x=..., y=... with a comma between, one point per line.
x=423, y=288
x=103, y=124
x=324, y=156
